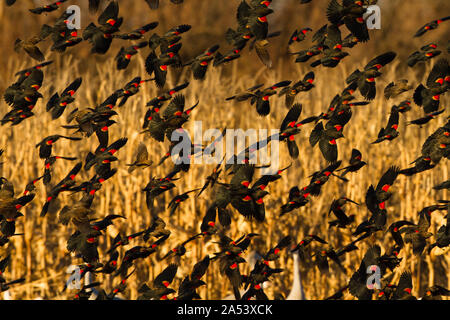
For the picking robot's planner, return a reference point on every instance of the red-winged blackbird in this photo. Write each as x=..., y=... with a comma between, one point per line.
x=211, y=179
x=442, y=185
x=102, y=224
x=142, y=159
x=321, y=259
x=47, y=8
x=45, y=146
x=254, y=282
x=430, y=26
x=351, y=14
x=175, y=202
x=366, y=78
x=156, y=187
x=435, y=147
x=394, y=229
x=404, y=287
x=208, y=225
x=230, y=258
x=102, y=159
x=47, y=165
x=61, y=34
x=290, y=127
x=80, y=214
x=342, y=219
x=200, y=268
x=390, y=132
x=199, y=65
x=187, y=289
x=437, y=83
x=159, y=289
x=158, y=66
x=121, y=287
x=426, y=119
x=130, y=89
x=157, y=102
x=138, y=252
x=156, y=229
x=443, y=233
x=254, y=18
x=332, y=47
x=301, y=246
x=247, y=200
x=426, y=53
x=172, y=120
x=30, y=46
x=404, y=106
x=124, y=55
x=435, y=292
x=319, y=178
x=179, y=250
x=298, y=35
x=25, y=73
x=10, y=206
x=305, y=55
x=327, y=141
x=358, y=282
x=274, y=253
x=23, y=95
x=418, y=234
x=260, y=97
x=122, y=240
x=376, y=197
x=85, y=245
x=394, y=89
x=58, y=103
x=30, y=187
x=171, y=37
x=338, y=106
x=94, y=184
x=109, y=22
x=301, y=86
x=296, y=200
x=111, y=265
x=138, y=33
x=355, y=163
x=64, y=185
x=91, y=120
x=350, y=41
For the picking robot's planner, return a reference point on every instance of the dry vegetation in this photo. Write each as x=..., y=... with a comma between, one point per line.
x=41, y=256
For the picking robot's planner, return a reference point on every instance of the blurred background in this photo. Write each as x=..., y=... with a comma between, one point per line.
x=41, y=256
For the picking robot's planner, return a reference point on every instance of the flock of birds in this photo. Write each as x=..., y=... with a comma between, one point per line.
x=241, y=193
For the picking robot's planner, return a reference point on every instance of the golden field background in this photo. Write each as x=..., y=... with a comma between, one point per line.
x=41, y=256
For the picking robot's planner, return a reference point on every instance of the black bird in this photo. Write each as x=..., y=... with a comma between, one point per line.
x=355, y=162
x=366, y=79
x=58, y=103
x=391, y=130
